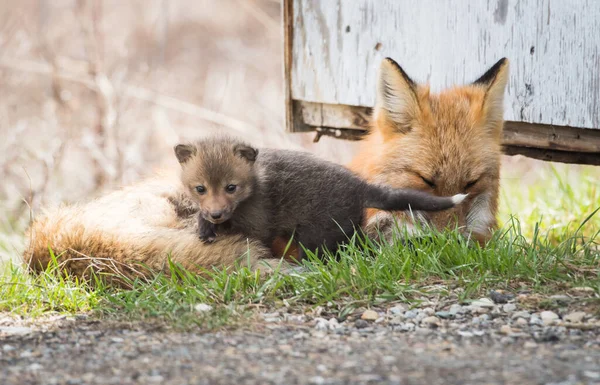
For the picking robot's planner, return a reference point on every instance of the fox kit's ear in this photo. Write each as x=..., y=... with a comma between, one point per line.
x=397, y=102
x=246, y=152
x=494, y=81
x=184, y=152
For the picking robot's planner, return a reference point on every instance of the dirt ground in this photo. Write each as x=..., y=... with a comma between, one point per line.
x=480, y=343
x=99, y=354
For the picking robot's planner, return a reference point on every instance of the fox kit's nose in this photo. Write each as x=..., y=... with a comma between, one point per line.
x=216, y=214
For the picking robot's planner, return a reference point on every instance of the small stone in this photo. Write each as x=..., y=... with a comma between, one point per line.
x=369, y=315
x=483, y=302
x=410, y=314
x=444, y=314
x=530, y=345
x=536, y=320
x=408, y=327
x=521, y=322
x=202, y=308
x=506, y=329
x=521, y=314
x=361, y=324
x=397, y=320
x=509, y=307
x=333, y=323
x=428, y=311
x=548, y=317
x=398, y=309
x=475, y=320
x=272, y=319
x=480, y=310
x=592, y=375
x=300, y=336
x=478, y=333
x=15, y=330
x=431, y=321
x=8, y=348
x=35, y=366
x=117, y=339
x=575, y=317
x=547, y=335
x=423, y=331
x=455, y=309
x=501, y=296
x=465, y=334
x=321, y=323
x=293, y=318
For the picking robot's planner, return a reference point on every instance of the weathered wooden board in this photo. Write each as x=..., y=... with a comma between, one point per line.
x=553, y=45
x=541, y=141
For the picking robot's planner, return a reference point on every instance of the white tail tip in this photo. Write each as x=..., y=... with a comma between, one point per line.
x=458, y=198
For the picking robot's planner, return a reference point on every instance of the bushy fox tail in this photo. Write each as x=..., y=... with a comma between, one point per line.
x=391, y=199
x=130, y=232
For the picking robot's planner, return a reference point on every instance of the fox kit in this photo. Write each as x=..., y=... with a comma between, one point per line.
x=279, y=193
x=446, y=144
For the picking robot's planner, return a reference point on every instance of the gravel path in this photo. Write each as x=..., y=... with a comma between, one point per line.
x=482, y=343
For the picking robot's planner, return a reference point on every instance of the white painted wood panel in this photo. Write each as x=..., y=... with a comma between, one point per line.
x=553, y=46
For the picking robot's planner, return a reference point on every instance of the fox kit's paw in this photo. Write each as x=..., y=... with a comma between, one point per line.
x=206, y=231
x=208, y=238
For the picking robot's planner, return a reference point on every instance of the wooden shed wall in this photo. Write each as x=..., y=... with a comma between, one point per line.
x=553, y=46
x=334, y=48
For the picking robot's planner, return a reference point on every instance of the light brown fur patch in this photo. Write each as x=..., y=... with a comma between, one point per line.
x=133, y=226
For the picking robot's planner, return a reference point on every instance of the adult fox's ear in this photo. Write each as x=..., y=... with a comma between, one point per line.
x=494, y=81
x=184, y=152
x=246, y=152
x=397, y=103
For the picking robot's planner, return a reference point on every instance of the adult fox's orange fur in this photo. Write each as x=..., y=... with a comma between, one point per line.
x=447, y=143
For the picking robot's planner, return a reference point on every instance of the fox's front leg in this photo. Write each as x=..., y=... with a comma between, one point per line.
x=206, y=230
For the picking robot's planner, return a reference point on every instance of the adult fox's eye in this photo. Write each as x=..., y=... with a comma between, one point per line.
x=470, y=184
x=231, y=188
x=201, y=189
x=428, y=182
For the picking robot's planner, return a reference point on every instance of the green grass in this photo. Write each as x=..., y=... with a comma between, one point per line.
x=557, y=198
x=561, y=251
x=24, y=294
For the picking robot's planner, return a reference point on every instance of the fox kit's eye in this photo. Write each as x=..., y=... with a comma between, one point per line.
x=231, y=188
x=470, y=184
x=428, y=182
x=201, y=189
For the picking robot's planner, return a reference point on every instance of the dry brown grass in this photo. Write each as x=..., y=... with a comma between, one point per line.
x=96, y=93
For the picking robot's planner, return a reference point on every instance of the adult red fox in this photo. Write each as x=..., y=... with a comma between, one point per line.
x=447, y=144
